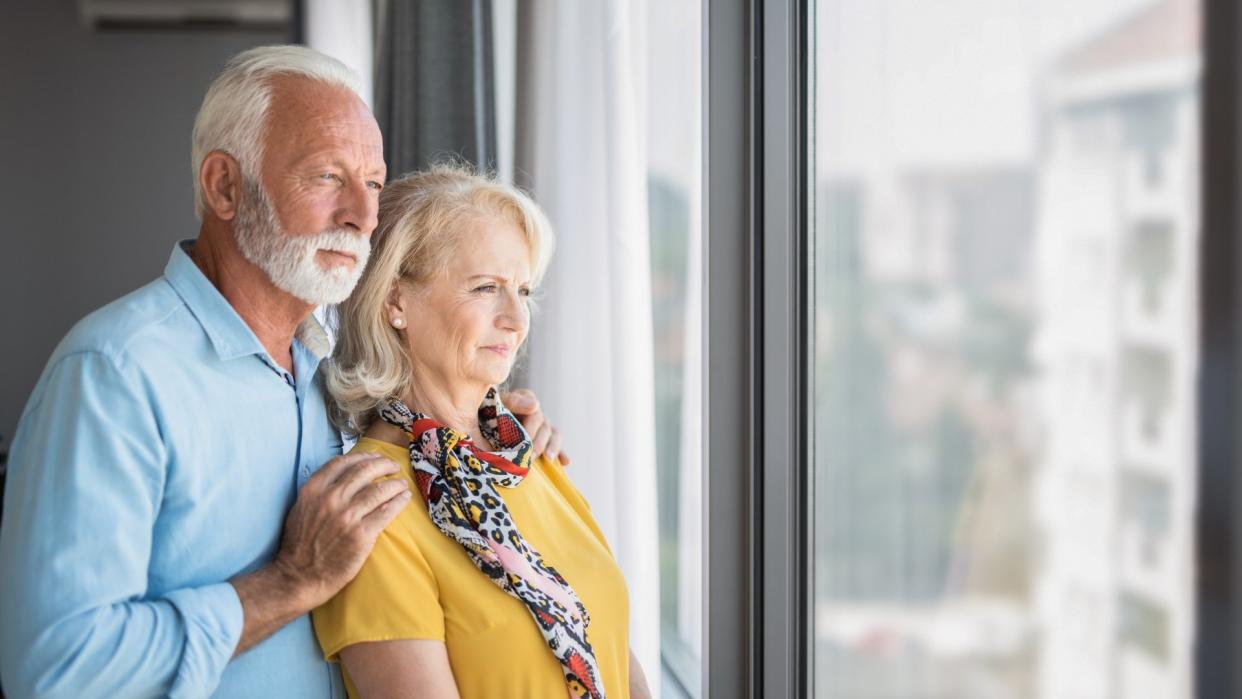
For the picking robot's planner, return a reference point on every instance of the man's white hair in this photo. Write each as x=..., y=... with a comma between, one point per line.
x=234, y=110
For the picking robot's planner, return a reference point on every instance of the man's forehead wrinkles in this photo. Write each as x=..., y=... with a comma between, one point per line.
x=363, y=153
x=333, y=135
x=307, y=102
x=336, y=125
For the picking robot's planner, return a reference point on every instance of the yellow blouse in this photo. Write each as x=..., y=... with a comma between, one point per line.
x=419, y=584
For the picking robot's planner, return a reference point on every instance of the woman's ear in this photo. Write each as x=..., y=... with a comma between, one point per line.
x=395, y=305
x=396, y=297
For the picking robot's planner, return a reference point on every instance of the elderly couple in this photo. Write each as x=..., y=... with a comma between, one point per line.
x=179, y=520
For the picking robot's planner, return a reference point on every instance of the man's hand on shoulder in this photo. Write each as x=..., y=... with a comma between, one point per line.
x=545, y=438
x=328, y=535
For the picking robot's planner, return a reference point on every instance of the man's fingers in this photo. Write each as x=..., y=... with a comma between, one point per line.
x=363, y=474
x=548, y=442
x=545, y=439
x=521, y=402
x=553, y=451
x=334, y=468
x=373, y=496
x=539, y=442
x=534, y=424
x=379, y=517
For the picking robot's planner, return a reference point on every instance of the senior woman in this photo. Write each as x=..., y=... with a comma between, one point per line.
x=499, y=583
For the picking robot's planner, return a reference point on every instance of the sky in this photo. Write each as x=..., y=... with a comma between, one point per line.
x=673, y=87
x=940, y=84
x=900, y=84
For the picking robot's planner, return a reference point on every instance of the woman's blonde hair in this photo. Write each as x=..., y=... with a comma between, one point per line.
x=422, y=216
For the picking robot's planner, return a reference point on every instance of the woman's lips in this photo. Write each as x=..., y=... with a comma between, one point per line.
x=502, y=350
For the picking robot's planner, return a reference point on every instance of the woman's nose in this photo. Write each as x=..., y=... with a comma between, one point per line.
x=514, y=316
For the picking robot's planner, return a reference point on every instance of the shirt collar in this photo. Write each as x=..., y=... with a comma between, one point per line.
x=229, y=334
x=312, y=335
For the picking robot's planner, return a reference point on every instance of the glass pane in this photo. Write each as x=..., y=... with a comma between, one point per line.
x=1005, y=236
x=675, y=170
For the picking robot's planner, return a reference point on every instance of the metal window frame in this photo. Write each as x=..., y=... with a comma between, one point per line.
x=1218, y=586
x=756, y=329
x=729, y=613
x=783, y=361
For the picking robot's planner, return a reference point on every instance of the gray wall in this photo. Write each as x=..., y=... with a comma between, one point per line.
x=94, y=169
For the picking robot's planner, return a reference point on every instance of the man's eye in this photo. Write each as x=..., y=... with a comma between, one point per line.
x=377, y=186
x=330, y=176
x=525, y=291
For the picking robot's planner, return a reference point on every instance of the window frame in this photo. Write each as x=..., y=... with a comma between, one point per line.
x=1218, y=543
x=756, y=331
x=783, y=362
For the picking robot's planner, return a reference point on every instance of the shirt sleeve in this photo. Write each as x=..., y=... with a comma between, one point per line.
x=86, y=477
x=395, y=595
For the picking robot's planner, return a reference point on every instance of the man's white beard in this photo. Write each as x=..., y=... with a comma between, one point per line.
x=289, y=260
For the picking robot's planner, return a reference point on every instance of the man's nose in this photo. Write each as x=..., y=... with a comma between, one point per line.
x=358, y=208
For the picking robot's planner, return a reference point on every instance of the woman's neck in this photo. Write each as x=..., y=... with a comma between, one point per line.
x=460, y=412
x=456, y=409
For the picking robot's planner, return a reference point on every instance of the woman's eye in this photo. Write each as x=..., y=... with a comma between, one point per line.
x=329, y=176
x=524, y=291
x=485, y=289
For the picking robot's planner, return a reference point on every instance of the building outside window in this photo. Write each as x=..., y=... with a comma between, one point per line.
x=1006, y=236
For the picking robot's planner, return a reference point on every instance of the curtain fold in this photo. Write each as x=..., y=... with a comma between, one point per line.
x=434, y=88
x=344, y=31
x=581, y=150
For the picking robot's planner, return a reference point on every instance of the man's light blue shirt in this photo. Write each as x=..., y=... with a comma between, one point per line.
x=156, y=459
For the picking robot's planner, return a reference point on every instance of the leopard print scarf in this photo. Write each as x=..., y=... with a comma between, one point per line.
x=458, y=480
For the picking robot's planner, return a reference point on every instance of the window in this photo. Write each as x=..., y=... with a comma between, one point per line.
x=1004, y=347
x=674, y=162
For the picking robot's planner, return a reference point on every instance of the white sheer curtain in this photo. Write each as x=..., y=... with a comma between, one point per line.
x=582, y=150
x=344, y=31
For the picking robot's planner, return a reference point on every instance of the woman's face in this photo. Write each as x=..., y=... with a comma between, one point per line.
x=465, y=325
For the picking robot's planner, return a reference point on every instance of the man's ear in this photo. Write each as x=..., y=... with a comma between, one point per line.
x=220, y=179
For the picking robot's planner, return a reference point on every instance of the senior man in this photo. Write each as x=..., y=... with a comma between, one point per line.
x=167, y=525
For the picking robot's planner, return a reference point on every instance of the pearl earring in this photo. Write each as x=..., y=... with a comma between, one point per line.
x=398, y=323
